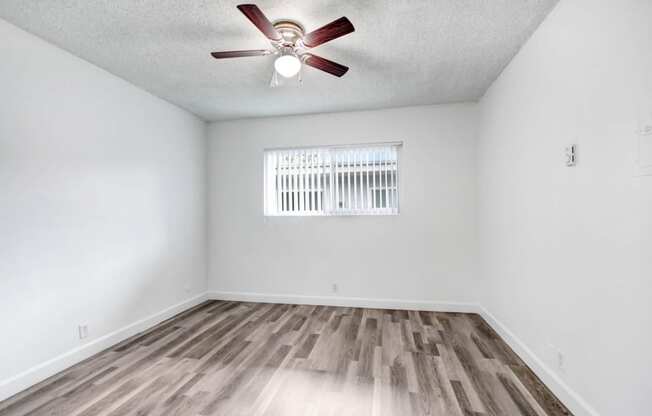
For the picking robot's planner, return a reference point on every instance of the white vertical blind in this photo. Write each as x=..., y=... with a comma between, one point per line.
x=354, y=187
x=302, y=182
x=394, y=158
x=319, y=172
x=313, y=185
x=367, y=188
x=373, y=178
x=336, y=185
x=385, y=178
x=278, y=180
x=347, y=180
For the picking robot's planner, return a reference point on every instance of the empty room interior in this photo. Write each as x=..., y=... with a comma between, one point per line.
x=326, y=207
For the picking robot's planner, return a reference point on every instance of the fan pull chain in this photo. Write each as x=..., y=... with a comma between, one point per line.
x=274, y=81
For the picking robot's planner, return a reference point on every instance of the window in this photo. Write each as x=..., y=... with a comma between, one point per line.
x=342, y=180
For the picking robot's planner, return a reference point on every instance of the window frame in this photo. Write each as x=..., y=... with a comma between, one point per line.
x=328, y=197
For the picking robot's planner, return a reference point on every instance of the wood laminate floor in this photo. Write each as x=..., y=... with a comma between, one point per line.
x=232, y=358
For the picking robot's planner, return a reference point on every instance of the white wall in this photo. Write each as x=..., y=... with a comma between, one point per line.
x=425, y=253
x=102, y=205
x=567, y=252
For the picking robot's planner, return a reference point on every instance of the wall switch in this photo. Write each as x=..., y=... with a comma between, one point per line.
x=571, y=155
x=83, y=331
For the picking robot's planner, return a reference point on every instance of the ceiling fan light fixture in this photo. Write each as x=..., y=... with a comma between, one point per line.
x=287, y=65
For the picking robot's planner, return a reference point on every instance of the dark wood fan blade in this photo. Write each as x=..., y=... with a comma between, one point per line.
x=240, y=54
x=333, y=30
x=259, y=20
x=325, y=65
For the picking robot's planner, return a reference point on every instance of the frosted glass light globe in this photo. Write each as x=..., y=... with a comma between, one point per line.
x=287, y=65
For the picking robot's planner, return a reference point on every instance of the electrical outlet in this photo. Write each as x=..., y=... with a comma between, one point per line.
x=187, y=288
x=556, y=358
x=83, y=331
x=335, y=289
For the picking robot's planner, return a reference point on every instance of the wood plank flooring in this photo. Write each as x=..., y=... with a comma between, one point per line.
x=232, y=358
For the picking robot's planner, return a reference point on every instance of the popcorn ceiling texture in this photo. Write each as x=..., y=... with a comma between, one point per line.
x=402, y=53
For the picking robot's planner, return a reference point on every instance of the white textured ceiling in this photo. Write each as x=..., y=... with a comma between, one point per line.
x=402, y=52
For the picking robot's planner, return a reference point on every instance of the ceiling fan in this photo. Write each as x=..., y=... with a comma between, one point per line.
x=291, y=44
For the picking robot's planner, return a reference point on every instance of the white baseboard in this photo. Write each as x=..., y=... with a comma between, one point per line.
x=416, y=305
x=36, y=374
x=572, y=400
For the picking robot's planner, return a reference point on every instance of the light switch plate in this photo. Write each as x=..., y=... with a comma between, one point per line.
x=571, y=155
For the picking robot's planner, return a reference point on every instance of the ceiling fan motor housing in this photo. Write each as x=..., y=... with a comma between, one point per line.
x=290, y=31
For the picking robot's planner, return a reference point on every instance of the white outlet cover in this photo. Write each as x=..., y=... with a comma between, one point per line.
x=83, y=331
x=555, y=358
